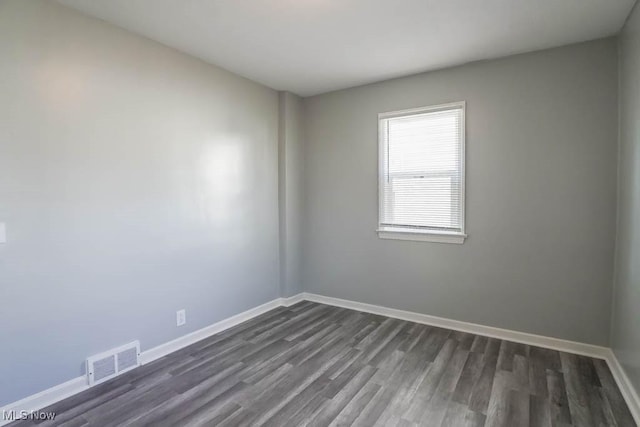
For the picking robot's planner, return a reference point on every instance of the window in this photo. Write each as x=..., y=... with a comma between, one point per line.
x=421, y=177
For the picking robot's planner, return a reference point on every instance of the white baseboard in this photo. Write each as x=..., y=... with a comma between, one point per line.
x=62, y=391
x=79, y=384
x=627, y=389
x=289, y=301
x=457, y=325
x=44, y=398
x=162, y=350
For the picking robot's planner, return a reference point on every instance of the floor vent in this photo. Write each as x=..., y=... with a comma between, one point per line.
x=112, y=363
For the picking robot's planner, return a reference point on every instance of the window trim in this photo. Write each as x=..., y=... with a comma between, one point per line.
x=436, y=236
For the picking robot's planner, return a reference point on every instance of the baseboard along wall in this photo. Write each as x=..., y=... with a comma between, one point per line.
x=55, y=394
x=622, y=380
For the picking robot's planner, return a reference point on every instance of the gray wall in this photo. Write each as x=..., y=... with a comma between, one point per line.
x=134, y=181
x=541, y=195
x=290, y=150
x=626, y=312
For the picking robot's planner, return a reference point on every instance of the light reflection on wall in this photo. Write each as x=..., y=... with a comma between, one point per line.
x=222, y=167
x=63, y=86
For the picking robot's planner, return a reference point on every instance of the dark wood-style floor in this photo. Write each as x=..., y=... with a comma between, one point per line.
x=316, y=365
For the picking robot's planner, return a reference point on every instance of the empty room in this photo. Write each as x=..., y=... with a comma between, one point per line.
x=320, y=213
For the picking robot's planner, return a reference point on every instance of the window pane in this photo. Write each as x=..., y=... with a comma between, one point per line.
x=421, y=176
x=425, y=202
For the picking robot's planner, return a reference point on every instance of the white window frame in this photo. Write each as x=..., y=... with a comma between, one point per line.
x=424, y=235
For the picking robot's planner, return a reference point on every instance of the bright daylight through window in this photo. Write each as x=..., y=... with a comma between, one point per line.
x=421, y=177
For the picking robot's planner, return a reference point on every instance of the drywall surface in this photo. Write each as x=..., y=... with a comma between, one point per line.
x=290, y=150
x=540, y=195
x=625, y=329
x=134, y=181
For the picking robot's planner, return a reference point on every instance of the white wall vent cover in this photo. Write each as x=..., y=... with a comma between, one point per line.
x=112, y=363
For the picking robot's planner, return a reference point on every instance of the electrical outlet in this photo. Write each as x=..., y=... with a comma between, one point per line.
x=181, y=317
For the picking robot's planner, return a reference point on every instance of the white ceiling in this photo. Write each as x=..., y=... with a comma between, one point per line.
x=314, y=46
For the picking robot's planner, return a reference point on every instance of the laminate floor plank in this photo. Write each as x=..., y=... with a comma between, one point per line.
x=558, y=401
x=481, y=390
x=610, y=390
x=317, y=365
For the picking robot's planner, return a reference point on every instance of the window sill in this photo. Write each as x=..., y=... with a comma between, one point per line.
x=422, y=236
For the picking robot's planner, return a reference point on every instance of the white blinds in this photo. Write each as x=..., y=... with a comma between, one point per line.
x=421, y=169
